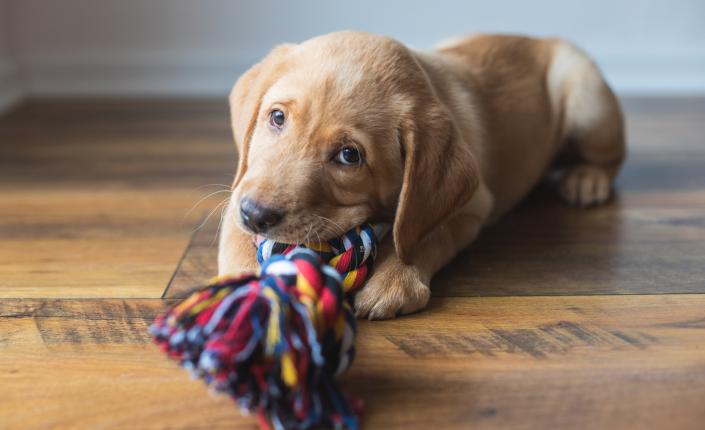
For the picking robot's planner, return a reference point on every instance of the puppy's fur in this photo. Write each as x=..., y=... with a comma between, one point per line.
x=451, y=139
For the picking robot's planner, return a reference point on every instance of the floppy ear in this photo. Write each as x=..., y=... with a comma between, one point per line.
x=245, y=101
x=440, y=176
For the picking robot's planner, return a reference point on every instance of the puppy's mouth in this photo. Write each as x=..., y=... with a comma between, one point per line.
x=309, y=228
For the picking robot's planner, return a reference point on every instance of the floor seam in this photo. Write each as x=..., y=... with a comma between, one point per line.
x=178, y=264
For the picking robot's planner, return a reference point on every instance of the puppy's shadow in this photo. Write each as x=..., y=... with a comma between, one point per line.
x=545, y=247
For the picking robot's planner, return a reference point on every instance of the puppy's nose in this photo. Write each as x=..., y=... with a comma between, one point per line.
x=257, y=217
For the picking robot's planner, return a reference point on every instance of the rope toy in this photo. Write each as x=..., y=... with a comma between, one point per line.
x=275, y=342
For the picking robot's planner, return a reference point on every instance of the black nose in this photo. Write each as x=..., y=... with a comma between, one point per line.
x=257, y=217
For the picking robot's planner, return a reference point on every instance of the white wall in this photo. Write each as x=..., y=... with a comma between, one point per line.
x=10, y=85
x=164, y=47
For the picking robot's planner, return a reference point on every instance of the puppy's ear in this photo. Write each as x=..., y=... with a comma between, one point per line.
x=246, y=97
x=440, y=176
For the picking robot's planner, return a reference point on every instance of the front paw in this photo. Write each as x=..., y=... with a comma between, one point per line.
x=392, y=290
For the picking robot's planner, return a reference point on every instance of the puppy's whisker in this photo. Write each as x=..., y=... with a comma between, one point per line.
x=220, y=222
x=222, y=186
x=337, y=228
x=308, y=233
x=325, y=231
x=210, y=214
x=320, y=242
x=203, y=199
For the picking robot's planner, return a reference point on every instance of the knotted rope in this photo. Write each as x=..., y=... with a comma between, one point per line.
x=275, y=342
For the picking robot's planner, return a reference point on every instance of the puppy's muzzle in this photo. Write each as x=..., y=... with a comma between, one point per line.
x=257, y=217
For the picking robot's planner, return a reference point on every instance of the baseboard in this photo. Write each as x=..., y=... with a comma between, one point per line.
x=11, y=91
x=160, y=75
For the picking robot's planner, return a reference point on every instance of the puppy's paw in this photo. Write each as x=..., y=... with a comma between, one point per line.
x=585, y=185
x=393, y=289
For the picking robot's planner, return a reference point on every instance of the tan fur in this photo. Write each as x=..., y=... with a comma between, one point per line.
x=452, y=139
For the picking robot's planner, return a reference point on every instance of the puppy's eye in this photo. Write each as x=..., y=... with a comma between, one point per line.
x=348, y=156
x=277, y=118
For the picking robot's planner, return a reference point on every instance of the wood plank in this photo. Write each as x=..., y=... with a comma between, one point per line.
x=538, y=362
x=92, y=243
x=179, y=146
x=495, y=362
x=95, y=195
x=119, y=144
x=90, y=364
x=631, y=246
x=547, y=248
x=198, y=263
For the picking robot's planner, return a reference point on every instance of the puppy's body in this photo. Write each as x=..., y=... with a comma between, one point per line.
x=453, y=138
x=533, y=98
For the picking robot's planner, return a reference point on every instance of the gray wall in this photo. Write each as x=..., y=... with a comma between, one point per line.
x=127, y=47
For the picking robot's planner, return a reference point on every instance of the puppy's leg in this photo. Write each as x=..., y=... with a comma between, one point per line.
x=397, y=288
x=393, y=288
x=236, y=252
x=593, y=126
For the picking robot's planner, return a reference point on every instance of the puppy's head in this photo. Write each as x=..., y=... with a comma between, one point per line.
x=339, y=130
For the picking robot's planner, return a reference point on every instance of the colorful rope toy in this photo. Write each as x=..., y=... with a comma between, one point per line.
x=275, y=342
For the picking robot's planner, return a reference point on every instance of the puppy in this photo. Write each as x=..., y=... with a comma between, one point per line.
x=352, y=127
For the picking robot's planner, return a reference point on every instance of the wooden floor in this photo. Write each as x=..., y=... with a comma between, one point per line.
x=557, y=318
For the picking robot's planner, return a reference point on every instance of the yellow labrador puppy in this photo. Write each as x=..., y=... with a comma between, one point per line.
x=353, y=127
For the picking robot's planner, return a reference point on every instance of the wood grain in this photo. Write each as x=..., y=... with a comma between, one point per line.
x=547, y=248
x=95, y=196
x=84, y=243
x=492, y=362
x=555, y=318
